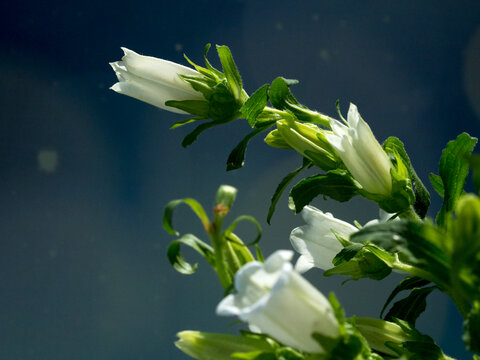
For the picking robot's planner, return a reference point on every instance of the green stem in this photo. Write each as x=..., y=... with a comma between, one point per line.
x=410, y=214
x=413, y=270
x=220, y=265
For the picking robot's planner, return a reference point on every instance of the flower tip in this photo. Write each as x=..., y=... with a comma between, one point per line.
x=127, y=51
x=116, y=87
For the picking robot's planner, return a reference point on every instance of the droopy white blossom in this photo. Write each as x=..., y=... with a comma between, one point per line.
x=316, y=241
x=361, y=153
x=275, y=300
x=153, y=80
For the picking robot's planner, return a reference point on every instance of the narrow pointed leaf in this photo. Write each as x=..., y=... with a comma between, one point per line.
x=193, y=136
x=177, y=260
x=251, y=219
x=282, y=186
x=236, y=159
x=406, y=284
x=410, y=308
x=193, y=204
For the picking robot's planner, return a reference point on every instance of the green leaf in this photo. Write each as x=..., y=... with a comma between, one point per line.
x=406, y=284
x=236, y=159
x=192, y=137
x=471, y=329
x=255, y=105
x=193, y=204
x=454, y=166
x=369, y=262
x=417, y=244
x=422, y=196
x=437, y=184
x=178, y=262
x=338, y=185
x=410, y=308
x=231, y=72
x=282, y=186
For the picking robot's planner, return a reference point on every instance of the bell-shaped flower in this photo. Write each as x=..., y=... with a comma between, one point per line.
x=275, y=300
x=361, y=153
x=153, y=80
x=316, y=241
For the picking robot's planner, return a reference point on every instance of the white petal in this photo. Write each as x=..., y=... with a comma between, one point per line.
x=353, y=115
x=304, y=263
x=158, y=70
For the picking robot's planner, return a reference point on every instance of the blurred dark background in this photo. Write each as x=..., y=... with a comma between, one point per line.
x=85, y=173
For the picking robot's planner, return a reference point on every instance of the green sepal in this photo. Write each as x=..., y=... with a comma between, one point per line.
x=402, y=195
x=206, y=72
x=178, y=262
x=379, y=333
x=437, y=184
x=236, y=254
x=347, y=253
x=199, y=108
x=422, y=197
x=282, y=99
x=454, y=166
x=283, y=185
x=421, y=245
x=255, y=104
x=193, y=204
x=201, y=84
x=213, y=70
x=267, y=116
x=236, y=159
x=231, y=72
x=368, y=262
x=421, y=346
x=337, y=184
x=408, y=283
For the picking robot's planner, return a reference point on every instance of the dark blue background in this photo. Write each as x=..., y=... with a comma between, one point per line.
x=83, y=272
